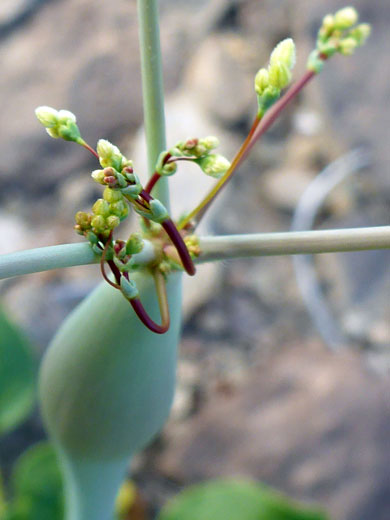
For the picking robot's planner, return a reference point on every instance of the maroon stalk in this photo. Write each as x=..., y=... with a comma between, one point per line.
x=146, y=319
x=176, y=238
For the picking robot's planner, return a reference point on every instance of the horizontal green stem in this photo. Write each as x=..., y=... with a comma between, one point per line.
x=294, y=243
x=213, y=248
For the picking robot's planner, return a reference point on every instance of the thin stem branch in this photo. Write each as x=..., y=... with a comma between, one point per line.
x=197, y=213
x=153, y=89
x=213, y=248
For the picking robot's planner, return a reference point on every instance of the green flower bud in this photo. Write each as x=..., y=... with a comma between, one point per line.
x=158, y=212
x=214, y=165
x=47, y=116
x=109, y=154
x=360, y=33
x=83, y=219
x=135, y=244
x=168, y=169
x=284, y=53
x=112, y=195
x=65, y=117
x=98, y=224
x=261, y=81
x=327, y=24
x=59, y=123
x=117, y=208
x=347, y=46
x=345, y=18
x=98, y=176
x=279, y=75
x=128, y=288
x=210, y=142
x=101, y=207
x=113, y=221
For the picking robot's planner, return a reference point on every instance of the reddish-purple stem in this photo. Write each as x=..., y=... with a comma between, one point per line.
x=145, y=318
x=176, y=238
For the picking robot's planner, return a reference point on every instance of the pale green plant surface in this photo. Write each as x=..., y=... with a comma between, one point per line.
x=107, y=382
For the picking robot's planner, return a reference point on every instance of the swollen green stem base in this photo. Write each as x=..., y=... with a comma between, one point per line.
x=106, y=388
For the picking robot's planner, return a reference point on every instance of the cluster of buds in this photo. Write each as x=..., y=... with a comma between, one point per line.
x=59, y=124
x=107, y=213
x=338, y=33
x=269, y=82
x=117, y=172
x=197, y=151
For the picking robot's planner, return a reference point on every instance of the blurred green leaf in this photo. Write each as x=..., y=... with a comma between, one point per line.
x=235, y=500
x=17, y=376
x=37, y=486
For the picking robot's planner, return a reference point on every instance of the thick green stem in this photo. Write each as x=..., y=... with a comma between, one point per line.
x=153, y=90
x=294, y=243
x=213, y=248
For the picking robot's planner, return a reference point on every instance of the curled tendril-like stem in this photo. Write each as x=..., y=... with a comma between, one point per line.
x=163, y=305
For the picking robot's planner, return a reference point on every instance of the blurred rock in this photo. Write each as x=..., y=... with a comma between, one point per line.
x=300, y=425
x=284, y=187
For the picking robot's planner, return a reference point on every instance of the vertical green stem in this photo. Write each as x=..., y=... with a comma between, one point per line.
x=153, y=89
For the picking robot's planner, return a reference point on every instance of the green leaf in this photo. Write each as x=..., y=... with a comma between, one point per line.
x=17, y=375
x=235, y=500
x=37, y=485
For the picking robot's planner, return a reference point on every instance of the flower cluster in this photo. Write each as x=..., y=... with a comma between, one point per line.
x=338, y=33
x=59, y=123
x=269, y=82
x=197, y=151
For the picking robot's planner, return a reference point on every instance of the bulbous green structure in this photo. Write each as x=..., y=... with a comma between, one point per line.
x=106, y=388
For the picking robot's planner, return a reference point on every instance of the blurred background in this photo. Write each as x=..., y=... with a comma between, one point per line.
x=263, y=390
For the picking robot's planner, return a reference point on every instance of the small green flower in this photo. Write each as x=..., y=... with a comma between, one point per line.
x=59, y=124
x=345, y=18
x=214, y=165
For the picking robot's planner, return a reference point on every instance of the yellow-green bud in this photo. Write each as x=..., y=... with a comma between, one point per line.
x=279, y=75
x=328, y=24
x=345, y=18
x=98, y=176
x=261, y=81
x=210, y=142
x=82, y=219
x=101, y=207
x=47, y=116
x=98, y=224
x=360, y=33
x=117, y=208
x=109, y=154
x=168, y=169
x=65, y=117
x=60, y=123
x=284, y=53
x=347, y=46
x=214, y=165
x=112, y=195
x=113, y=221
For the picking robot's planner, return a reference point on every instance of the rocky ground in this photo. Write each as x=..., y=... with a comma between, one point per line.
x=259, y=393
